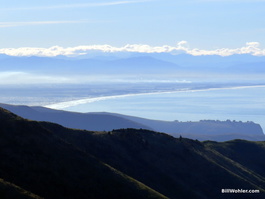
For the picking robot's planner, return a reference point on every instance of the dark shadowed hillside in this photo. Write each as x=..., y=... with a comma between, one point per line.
x=9, y=190
x=55, y=162
x=36, y=159
x=178, y=168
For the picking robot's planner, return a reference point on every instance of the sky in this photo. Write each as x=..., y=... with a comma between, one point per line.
x=195, y=26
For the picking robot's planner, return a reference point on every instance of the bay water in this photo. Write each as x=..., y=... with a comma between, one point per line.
x=237, y=103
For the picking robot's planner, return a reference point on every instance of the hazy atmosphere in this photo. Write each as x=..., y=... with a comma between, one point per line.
x=136, y=90
x=57, y=51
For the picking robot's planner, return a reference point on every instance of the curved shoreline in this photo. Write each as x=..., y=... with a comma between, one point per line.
x=62, y=105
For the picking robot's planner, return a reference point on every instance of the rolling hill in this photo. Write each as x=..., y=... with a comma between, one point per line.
x=93, y=121
x=36, y=159
x=202, y=130
x=205, y=129
x=56, y=162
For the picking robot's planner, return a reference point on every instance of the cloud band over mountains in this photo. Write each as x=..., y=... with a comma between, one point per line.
x=252, y=48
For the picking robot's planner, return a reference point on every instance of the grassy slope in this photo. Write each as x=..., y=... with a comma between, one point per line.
x=33, y=158
x=11, y=191
x=178, y=168
x=56, y=162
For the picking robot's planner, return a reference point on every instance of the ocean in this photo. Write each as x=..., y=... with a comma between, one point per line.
x=245, y=103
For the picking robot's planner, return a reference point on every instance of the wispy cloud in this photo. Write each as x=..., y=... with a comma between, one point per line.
x=230, y=1
x=252, y=48
x=34, y=23
x=85, y=5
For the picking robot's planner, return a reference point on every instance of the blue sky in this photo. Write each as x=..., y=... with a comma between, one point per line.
x=203, y=24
